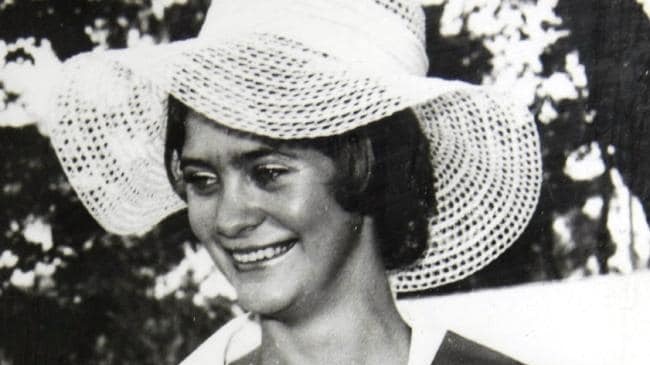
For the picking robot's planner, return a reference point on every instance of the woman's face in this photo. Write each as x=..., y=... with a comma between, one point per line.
x=268, y=216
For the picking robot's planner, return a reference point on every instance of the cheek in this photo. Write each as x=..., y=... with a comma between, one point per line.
x=198, y=212
x=316, y=213
x=303, y=209
x=200, y=217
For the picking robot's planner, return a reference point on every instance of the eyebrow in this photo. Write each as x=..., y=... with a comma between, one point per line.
x=239, y=159
x=197, y=162
x=256, y=154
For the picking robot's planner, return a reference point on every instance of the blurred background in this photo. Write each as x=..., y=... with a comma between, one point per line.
x=71, y=293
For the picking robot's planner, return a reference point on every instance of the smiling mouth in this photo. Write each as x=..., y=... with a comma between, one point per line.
x=247, y=257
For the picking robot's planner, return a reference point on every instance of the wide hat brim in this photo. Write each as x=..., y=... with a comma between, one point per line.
x=109, y=122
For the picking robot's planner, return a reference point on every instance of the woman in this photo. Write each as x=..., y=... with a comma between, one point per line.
x=297, y=227
x=307, y=146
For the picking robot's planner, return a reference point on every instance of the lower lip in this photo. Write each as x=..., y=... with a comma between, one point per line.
x=256, y=265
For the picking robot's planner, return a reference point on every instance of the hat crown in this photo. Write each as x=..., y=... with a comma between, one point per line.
x=385, y=36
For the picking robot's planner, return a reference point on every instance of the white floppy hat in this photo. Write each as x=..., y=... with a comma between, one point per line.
x=290, y=69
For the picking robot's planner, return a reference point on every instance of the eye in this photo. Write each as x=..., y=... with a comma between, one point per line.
x=267, y=174
x=202, y=182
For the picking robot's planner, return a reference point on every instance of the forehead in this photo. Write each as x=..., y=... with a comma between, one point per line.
x=203, y=134
x=204, y=138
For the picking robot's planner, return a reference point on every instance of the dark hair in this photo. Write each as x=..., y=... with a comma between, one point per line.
x=384, y=171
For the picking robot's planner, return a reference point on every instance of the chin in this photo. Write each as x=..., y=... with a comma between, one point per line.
x=266, y=300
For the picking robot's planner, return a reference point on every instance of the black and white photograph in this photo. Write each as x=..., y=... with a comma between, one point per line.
x=283, y=182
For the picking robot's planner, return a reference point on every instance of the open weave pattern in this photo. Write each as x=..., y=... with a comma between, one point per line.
x=108, y=131
x=275, y=87
x=487, y=180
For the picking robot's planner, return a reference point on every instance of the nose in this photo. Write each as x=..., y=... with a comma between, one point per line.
x=237, y=213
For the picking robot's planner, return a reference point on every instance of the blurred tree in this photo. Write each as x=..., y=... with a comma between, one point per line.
x=613, y=38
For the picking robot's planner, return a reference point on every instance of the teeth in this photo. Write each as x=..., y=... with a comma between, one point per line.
x=260, y=255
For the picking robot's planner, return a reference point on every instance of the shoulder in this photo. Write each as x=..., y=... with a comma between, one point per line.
x=456, y=349
x=235, y=340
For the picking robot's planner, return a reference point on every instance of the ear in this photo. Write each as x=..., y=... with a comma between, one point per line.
x=360, y=165
x=176, y=174
x=367, y=161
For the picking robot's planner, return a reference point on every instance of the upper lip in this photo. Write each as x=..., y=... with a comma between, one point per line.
x=248, y=249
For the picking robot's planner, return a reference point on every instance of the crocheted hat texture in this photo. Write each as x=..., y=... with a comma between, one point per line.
x=290, y=69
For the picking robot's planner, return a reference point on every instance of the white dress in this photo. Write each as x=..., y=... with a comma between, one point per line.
x=243, y=335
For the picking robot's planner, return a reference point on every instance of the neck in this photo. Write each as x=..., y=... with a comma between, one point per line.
x=356, y=323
